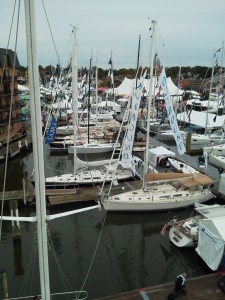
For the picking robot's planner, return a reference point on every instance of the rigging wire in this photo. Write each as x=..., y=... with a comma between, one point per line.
x=63, y=277
x=51, y=31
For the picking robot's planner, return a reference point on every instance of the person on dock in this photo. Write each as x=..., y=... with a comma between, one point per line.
x=180, y=284
x=36, y=297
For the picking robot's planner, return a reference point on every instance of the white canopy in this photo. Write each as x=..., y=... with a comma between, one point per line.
x=199, y=118
x=156, y=154
x=211, y=239
x=128, y=85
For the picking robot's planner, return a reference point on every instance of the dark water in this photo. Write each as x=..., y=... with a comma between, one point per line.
x=101, y=254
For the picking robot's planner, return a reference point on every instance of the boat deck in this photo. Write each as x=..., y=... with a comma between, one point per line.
x=198, y=288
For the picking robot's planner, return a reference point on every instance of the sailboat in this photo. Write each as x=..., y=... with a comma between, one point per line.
x=213, y=123
x=41, y=218
x=161, y=191
x=89, y=173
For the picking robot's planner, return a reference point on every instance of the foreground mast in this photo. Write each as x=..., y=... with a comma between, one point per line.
x=37, y=147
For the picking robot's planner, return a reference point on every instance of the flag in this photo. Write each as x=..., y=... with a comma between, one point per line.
x=110, y=73
x=51, y=131
x=180, y=82
x=164, y=229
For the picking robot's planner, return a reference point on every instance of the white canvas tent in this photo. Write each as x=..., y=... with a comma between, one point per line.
x=128, y=85
x=156, y=154
x=198, y=118
x=211, y=239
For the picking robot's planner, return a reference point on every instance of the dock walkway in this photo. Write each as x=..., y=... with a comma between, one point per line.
x=198, y=288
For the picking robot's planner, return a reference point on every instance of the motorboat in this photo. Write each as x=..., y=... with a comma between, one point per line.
x=184, y=233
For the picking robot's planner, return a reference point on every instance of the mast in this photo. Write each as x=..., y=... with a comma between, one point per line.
x=150, y=97
x=138, y=58
x=37, y=147
x=96, y=89
x=210, y=90
x=89, y=96
x=75, y=93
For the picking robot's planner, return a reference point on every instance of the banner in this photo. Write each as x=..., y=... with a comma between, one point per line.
x=170, y=113
x=51, y=131
x=128, y=142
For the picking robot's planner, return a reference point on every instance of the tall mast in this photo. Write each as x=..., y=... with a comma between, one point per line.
x=96, y=88
x=89, y=95
x=138, y=58
x=210, y=91
x=37, y=147
x=75, y=92
x=150, y=97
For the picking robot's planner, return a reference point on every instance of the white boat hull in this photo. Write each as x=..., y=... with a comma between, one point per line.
x=88, y=177
x=147, y=201
x=198, y=141
x=215, y=150
x=93, y=148
x=217, y=161
x=181, y=240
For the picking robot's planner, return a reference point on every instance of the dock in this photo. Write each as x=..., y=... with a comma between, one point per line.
x=64, y=196
x=198, y=288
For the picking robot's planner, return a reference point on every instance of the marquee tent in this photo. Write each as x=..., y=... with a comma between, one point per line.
x=128, y=85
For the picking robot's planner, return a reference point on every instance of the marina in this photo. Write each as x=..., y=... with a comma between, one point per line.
x=79, y=228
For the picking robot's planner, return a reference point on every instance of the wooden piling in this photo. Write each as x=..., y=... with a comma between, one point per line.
x=13, y=205
x=4, y=284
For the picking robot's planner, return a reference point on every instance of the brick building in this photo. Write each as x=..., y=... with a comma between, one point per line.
x=9, y=101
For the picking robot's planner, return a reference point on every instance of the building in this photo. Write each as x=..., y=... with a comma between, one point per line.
x=9, y=104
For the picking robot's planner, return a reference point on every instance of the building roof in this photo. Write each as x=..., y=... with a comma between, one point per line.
x=10, y=55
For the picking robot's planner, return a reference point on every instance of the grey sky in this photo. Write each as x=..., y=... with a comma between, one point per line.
x=188, y=32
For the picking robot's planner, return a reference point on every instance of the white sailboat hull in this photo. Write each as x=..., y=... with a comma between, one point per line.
x=198, y=141
x=217, y=161
x=140, y=200
x=88, y=177
x=93, y=148
x=215, y=150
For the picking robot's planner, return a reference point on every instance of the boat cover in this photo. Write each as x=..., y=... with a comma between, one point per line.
x=157, y=153
x=211, y=239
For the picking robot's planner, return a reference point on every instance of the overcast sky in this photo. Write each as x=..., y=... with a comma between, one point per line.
x=187, y=32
